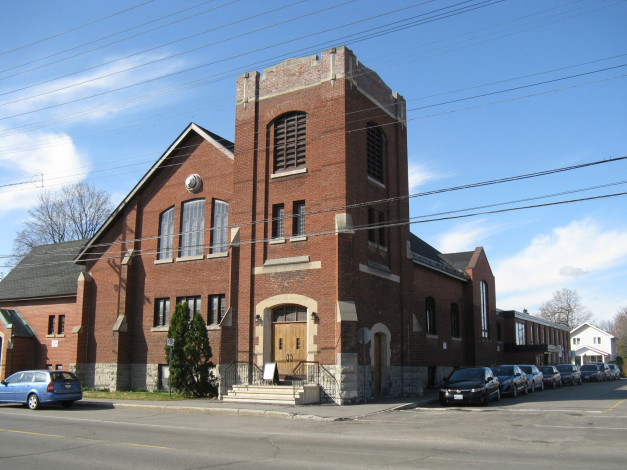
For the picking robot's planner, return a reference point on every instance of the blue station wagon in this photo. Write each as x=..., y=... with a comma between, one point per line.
x=35, y=387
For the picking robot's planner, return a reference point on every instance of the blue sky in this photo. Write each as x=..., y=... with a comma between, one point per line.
x=96, y=91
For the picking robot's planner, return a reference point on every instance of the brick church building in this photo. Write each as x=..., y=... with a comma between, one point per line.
x=288, y=242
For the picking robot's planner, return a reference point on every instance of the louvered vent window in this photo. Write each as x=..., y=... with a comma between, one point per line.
x=289, y=141
x=375, y=152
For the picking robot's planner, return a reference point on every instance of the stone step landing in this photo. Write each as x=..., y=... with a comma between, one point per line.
x=273, y=394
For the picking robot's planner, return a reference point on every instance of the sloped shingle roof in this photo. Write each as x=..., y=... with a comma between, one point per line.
x=12, y=319
x=429, y=256
x=47, y=271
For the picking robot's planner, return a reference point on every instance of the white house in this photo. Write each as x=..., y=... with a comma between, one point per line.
x=591, y=344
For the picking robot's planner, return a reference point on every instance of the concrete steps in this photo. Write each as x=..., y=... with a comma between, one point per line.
x=273, y=394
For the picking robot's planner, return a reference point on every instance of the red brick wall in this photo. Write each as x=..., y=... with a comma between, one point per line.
x=39, y=351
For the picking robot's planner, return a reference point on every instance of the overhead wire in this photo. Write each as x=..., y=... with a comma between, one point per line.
x=61, y=33
x=378, y=202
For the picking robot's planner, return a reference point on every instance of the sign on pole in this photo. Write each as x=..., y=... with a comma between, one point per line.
x=170, y=343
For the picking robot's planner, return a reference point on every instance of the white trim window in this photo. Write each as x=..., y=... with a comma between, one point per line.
x=192, y=228
x=217, y=304
x=278, y=216
x=166, y=234
x=219, y=231
x=162, y=312
x=520, y=333
x=298, y=229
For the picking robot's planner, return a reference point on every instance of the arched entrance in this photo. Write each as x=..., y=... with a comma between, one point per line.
x=380, y=357
x=289, y=337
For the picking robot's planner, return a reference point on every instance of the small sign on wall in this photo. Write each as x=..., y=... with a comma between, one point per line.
x=444, y=345
x=54, y=343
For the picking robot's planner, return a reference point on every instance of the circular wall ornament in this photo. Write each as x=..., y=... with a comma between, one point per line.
x=193, y=183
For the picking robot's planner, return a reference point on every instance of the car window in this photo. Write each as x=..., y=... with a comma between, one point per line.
x=527, y=369
x=503, y=370
x=467, y=374
x=546, y=370
x=27, y=377
x=14, y=378
x=40, y=377
x=564, y=368
x=589, y=367
x=62, y=376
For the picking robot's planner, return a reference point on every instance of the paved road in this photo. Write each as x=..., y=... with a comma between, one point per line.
x=576, y=427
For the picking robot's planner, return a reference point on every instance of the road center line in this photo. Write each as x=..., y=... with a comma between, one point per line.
x=15, y=431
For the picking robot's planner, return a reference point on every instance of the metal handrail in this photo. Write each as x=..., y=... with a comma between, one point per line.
x=307, y=372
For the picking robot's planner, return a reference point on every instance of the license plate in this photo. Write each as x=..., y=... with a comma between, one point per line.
x=458, y=397
x=68, y=386
x=586, y=376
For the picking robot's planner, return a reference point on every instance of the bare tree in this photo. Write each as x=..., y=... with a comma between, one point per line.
x=73, y=213
x=619, y=330
x=565, y=308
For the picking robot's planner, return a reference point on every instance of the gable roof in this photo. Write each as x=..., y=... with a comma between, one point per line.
x=460, y=260
x=426, y=255
x=46, y=271
x=12, y=319
x=224, y=145
x=589, y=325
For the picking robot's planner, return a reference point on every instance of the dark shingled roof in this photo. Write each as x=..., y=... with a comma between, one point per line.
x=47, y=271
x=426, y=254
x=12, y=319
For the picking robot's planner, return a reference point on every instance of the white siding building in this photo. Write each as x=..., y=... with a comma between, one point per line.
x=591, y=344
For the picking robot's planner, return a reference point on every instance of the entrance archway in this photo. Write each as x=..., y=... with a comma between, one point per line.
x=289, y=337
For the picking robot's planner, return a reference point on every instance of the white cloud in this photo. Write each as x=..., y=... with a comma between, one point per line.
x=419, y=175
x=118, y=74
x=465, y=236
x=577, y=256
x=35, y=157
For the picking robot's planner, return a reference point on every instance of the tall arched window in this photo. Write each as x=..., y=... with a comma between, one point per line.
x=375, y=149
x=166, y=233
x=455, y=333
x=193, y=228
x=430, y=315
x=290, y=135
x=485, y=309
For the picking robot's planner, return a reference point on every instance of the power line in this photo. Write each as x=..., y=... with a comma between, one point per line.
x=105, y=37
x=75, y=28
x=395, y=199
x=137, y=253
x=197, y=67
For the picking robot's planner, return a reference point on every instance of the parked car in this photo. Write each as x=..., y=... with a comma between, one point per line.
x=551, y=376
x=35, y=387
x=605, y=370
x=590, y=372
x=470, y=385
x=615, y=371
x=512, y=379
x=534, y=377
x=570, y=373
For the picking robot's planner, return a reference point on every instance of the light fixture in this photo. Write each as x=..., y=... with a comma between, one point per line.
x=258, y=319
x=314, y=316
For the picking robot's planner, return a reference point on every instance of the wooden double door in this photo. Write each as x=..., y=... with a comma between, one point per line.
x=289, y=346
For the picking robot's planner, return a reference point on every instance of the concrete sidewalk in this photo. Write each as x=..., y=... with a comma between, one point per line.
x=320, y=412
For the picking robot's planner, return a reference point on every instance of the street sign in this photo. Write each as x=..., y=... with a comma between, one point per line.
x=170, y=342
x=363, y=335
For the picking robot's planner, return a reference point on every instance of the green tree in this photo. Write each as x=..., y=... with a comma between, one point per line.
x=191, y=354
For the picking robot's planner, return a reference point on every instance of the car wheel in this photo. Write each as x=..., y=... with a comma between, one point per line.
x=443, y=402
x=542, y=386
x=554, y=385
x=498, y=395
x=32, y=401
x=484, y=399
x=67, y=404
x=560, y=384
x=533, y=387
x=526, y=390
x=514, y=391
x=580, y=382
